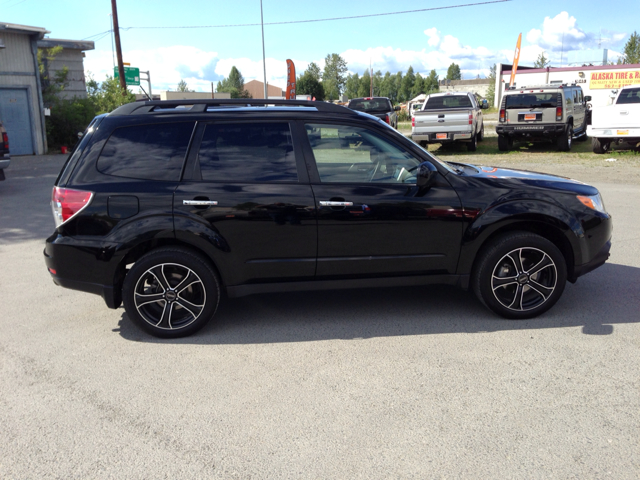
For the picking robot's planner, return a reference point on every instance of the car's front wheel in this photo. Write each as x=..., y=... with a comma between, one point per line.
x=519, y=275
x=505, y=143
x=171, y=292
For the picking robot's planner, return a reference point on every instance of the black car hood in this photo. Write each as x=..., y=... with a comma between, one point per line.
x=533, y=179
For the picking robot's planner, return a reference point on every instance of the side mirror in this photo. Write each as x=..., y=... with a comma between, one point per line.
x=587, y=98
x=427, y=173
x=397, y=109
x=80, y=135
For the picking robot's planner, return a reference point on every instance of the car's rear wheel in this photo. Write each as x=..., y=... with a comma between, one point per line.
x=520, y=275
x=564, y=141
x=505, y=143
x=171, y=292
x=472, y=145
x=600, y=145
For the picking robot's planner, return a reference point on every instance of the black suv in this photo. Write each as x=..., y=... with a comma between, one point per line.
x=165, y=206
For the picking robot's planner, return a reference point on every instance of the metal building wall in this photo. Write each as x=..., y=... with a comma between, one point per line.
x=18, y=70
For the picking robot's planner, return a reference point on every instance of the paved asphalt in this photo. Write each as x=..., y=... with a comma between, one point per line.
x=390, y=383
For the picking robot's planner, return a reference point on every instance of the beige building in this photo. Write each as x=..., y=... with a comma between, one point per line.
x=478, y=85
x=256, y=89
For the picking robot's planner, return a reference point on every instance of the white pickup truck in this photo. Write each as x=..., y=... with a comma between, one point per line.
x=448, y=117
x=617, y=123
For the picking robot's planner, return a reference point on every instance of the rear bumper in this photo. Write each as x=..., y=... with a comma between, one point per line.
x=432, y=137
x=532, y=131
x=624, y=134
x=83, y=268
x=5, y=161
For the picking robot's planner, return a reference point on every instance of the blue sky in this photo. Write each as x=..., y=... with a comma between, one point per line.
x=474, y=37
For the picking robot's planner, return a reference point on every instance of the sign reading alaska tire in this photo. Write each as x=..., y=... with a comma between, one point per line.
x=612, y=80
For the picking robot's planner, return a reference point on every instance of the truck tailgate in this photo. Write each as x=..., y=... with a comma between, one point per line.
x=616, y=116
x=441, y=121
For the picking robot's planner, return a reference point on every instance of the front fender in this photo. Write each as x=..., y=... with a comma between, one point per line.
x=531, y=215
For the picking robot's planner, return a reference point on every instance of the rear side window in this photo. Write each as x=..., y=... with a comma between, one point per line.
x=247, y=152
x=448, y=101
x=631, y=95
x=531, y=100
x=147, y=152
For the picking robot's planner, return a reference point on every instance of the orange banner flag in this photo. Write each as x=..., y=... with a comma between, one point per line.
x=291, y=81
x=516, y=57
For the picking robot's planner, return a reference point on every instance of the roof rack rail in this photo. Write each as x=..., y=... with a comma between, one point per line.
x=201, y=106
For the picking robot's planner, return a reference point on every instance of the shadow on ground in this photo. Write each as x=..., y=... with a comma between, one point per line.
x=600, y=300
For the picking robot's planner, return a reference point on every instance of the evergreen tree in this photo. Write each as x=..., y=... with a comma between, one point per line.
x=632, y=49
x=364, y=89
x=183, y=87
x=541, y=62
x=234, y=84
x=407, y=86
x=352, y=84
x=431, y=84
x=491, y=91
x=418, y=86
x=314, y=71
x=377, y=82
x=453, y=72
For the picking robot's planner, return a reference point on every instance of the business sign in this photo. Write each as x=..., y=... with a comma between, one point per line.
x=131, y=75
x=291, y=81
x=516, y=59
x=613, y=80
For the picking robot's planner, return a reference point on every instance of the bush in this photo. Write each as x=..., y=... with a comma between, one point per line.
x=68, y=117
x=403, y=116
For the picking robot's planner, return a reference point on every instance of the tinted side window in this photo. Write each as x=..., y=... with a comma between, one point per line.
x=147, y=152
x=347, y=154
x=248, y=152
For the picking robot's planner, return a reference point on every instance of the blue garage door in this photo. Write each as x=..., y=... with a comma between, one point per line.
x=16, y=117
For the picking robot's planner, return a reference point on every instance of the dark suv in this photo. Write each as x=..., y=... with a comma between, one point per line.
x=165, y=206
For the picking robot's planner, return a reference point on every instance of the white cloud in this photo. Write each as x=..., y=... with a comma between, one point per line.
x=434, y=36
x=560, y=33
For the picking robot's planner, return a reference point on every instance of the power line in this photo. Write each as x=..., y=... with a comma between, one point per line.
x=325, y=19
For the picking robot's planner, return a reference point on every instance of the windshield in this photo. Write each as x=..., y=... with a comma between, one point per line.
x=532, y=100
x=448, y=101
x=631, y=95
x=370, y=105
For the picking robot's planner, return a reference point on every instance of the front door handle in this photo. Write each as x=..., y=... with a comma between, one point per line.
x=199, y=202
x=335, y=204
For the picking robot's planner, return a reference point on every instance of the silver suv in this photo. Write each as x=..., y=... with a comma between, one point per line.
x=558, y=113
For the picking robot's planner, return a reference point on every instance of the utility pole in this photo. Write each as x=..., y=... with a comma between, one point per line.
x=116, y=32
x=264, y=61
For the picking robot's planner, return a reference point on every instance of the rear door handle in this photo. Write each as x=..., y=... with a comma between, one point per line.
x=199, y=202
x=335, y=204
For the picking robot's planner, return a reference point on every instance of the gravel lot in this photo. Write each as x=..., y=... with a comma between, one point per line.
x=392, y=383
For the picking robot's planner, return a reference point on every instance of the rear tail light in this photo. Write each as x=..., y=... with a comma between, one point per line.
x=67, y=203
x=386, y=118
x=470, y=119
x=413, y=121
x=503, y=115
x=5, y=141
x=558, y=114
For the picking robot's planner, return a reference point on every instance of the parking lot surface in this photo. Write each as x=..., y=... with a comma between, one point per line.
x=385, y=383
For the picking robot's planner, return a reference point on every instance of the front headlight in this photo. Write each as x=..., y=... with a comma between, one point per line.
x=594, y=202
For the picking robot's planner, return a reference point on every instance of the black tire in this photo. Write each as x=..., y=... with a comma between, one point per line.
x=564, y=141
x=504, y=143
x=600, y=146
x=481, y=134
x=171, y=292
x=424, y=145
x=472, y=145
x=519, y=275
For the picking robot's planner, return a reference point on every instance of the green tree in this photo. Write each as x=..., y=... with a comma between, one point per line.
x=407, y=85
x=396, y=87
x=386, y=86
x=431, y=82
x=491, y=91
x=541, y=62
x=107, y=96
x=453, y=72
x=364, y=90
x=418, y=87
x=314, y=70
x=183, y=87
x=632, y=49
x=309, y=83
x=352, y=85
x=51, y=85
x=234, y=84
x=377, y=82
x=334, y=76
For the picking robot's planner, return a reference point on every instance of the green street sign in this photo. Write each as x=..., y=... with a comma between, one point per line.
x=131, y=75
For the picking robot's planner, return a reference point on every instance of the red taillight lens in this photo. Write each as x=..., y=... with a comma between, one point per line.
x=470, y=119
x=413, y=121
x=66, y=203
x=558, y=114
x=503, y=114
x=5, y=141
x=386, y=118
